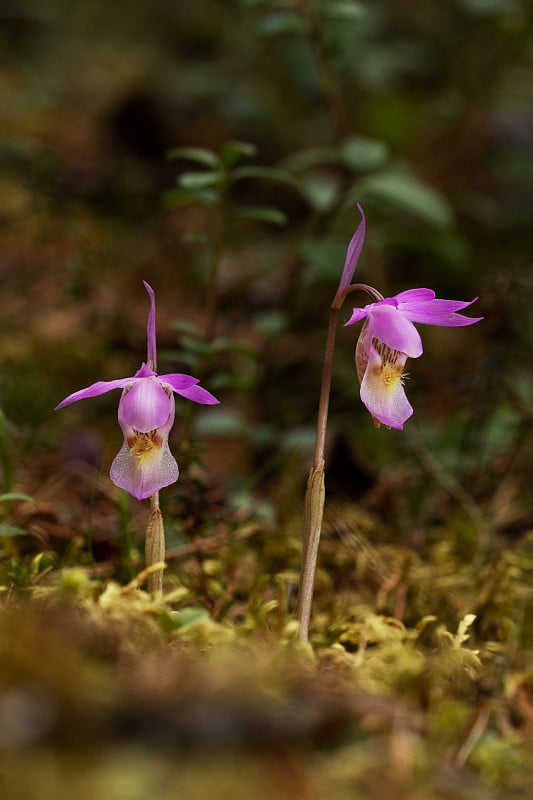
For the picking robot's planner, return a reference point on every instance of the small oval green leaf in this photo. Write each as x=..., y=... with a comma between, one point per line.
x=266, y=174
x=10, y=497
x=11, y=530
x=408, y=194
x=361, y=153
x=200, y=180
x=233, y=151
x=273, y=215
x=199, y=154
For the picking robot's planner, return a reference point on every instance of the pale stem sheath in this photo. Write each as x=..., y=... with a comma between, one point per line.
x=155, y=545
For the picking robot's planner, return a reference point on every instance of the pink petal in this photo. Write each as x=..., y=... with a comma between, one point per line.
x=145, y=406
x=438, y=312
x=385, y=399
x=414, y=296
x=198, y=395
x=358, y=314
x=101, y=387
x=178, y=381
x=391, y=327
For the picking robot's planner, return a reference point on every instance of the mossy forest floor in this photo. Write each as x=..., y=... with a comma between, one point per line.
x=417, y=682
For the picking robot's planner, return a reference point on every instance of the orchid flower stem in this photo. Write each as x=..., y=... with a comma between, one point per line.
x=315, y=493
x=155, y=545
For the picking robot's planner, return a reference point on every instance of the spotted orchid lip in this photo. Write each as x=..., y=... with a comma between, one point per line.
x=382, y=389
x=144, y=466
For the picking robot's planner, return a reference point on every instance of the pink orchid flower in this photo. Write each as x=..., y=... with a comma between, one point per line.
x=388, y=337
x=146, y=415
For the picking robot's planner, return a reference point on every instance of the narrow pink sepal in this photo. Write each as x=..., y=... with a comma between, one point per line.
x=178, y=380
x=357, y=315
x=438, y=312
x=353, y=253
x=198, y=395
x=151, y=356
x=415, y=295
x=98, y=388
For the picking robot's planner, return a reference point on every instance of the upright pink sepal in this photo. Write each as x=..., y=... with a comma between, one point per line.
x=352, y=254
x=151, y=346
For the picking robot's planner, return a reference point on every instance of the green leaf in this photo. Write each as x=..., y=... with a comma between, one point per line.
x=408, y=194
x=10, y=497
x=270, y=323
x=223, y=422
x=11, y=530
x=177, y=198
x=265, y=174
x=189, y=616
x=345, y=11
x=196, y=345
x=195, y=237
x=322, y=257
x=273, y=215
x=199, y=154
x=233, y=151
x=313, y=157
x=299, y=440
x=200, y=180
x=184, y=326
x=281, y=23
x=223, y=344
x=488, y=7
x=361, y=153
x=321, y=191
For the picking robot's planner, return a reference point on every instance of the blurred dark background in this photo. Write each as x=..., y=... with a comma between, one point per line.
x=420, y=111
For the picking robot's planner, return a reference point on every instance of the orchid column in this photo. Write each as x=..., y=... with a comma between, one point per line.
x=146, y=409
x=387, y=338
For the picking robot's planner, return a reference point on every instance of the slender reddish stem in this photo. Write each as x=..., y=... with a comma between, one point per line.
x=315, y=494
